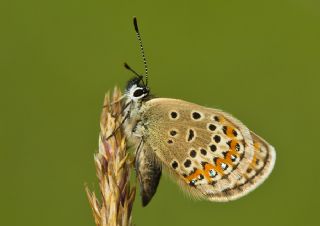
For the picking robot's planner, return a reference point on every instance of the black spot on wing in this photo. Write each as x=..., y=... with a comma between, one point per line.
x=217, y=138
x=203, y=151
x=196, y=115
x=193, y=153
x=174, y=164
x=174, y=115
x=212, y=127
x=187, y=163
x=213, y=147
x=190, y=135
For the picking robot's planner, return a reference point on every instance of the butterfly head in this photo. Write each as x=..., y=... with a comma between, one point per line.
x=136, y=89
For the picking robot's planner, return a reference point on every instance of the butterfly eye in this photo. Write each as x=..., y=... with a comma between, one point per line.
x=138, y=93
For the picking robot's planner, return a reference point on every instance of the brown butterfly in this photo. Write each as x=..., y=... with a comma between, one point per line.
x=211, y=154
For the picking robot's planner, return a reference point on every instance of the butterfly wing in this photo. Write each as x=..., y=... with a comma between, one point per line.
x=148, y=172
x=213, y=155
x=256, y=172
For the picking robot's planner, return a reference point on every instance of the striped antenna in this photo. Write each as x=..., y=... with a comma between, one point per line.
x=135, y=23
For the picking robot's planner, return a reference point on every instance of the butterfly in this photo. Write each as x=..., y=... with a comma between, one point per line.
x=210, y=153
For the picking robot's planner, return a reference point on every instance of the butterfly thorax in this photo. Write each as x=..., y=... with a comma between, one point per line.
x=133, y=124
x=136, y=96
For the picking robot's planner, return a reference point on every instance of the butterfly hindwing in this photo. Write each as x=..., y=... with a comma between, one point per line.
x=208, y=150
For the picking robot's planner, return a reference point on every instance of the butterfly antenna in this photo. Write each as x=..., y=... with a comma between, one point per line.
x=135, y=23
x=133, y=71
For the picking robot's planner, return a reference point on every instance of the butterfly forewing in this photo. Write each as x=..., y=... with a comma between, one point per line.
x=212, y=154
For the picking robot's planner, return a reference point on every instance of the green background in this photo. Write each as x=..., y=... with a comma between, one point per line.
x=258, y=60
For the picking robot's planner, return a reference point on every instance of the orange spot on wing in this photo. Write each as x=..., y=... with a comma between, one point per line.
x=194, y=175
x=228, y=157
x=218, y=165
x=229, y=132
x=253, y=162
x=219, y=119
x=232, y=151
x=233, y=144
x=207, y=168
x=256, y=145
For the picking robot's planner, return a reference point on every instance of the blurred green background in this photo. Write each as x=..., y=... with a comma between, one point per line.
x=258, y=60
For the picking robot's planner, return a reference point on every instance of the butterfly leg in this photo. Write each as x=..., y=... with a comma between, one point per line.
x=116, y=129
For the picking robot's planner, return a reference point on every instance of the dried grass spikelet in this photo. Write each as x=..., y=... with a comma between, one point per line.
x=113, y=170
